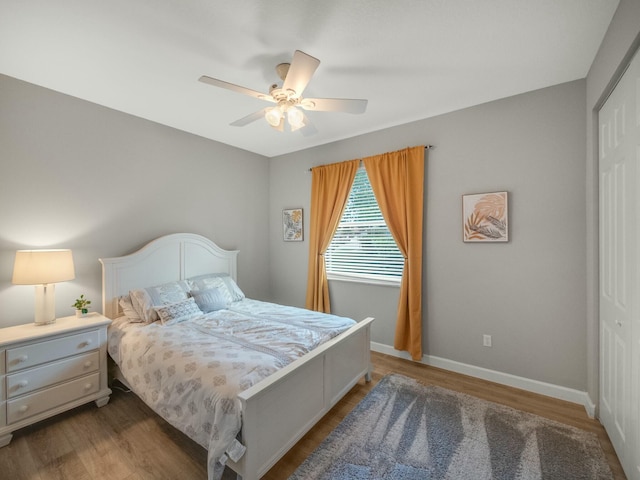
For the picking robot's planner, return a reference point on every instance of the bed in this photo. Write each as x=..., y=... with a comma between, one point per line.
x=288, y=396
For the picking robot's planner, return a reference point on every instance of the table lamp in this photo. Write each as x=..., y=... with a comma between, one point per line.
x=43, y=268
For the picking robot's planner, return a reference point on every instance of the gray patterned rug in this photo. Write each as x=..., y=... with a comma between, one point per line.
x=403, y=430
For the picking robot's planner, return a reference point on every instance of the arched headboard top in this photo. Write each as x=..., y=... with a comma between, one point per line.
x=166, y=259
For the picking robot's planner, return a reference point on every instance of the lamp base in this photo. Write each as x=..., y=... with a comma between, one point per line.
x=45, y=304
x=45, y=323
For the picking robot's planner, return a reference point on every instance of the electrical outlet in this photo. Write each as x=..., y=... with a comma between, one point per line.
x=486, y=340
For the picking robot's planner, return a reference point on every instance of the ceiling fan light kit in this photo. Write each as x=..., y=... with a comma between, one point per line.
x=288, y=98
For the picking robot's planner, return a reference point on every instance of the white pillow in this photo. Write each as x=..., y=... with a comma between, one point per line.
x=145, y=300
x=128, y=310
x=178, y=312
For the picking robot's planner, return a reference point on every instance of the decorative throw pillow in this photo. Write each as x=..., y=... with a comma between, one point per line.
x=223, y=281
x=145, y=299
x=210, y=300
x=178, y=312
x=128, y=310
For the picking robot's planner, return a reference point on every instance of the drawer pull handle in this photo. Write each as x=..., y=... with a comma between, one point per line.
x=87, y=386
x=88, y=364
x=22, y=383
x=23, y=408
x=86, y=343
x=22, y=358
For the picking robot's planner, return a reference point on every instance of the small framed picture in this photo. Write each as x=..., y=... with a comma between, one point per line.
x=485, y=217
x=292, y=224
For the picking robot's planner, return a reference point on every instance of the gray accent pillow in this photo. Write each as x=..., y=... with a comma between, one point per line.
x=223, y=281
x=210, y=300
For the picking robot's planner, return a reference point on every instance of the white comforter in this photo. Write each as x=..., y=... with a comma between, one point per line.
x=190, y=373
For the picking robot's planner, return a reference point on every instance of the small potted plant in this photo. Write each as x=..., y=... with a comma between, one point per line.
x=82, y=306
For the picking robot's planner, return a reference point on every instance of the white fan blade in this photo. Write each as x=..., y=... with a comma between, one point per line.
x=347, y=105
x=236, y=88
x=250, y=118
x=300, y=72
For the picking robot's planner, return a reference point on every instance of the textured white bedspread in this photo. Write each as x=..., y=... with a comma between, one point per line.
x=190, y=373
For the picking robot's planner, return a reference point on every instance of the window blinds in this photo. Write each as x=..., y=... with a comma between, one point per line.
x=362, y=246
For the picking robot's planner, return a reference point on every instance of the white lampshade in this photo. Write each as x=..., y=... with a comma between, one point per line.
x=37, y=267
x=43, y=268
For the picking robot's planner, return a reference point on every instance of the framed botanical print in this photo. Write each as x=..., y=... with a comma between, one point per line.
x=485, y=217
x=292, y=225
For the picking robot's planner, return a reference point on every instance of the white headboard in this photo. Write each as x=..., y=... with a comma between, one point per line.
x=165, y=259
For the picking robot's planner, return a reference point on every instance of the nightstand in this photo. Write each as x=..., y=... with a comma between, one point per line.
x=48, y=369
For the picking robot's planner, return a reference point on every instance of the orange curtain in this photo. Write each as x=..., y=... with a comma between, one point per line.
x=397, y=180
x=330, y=187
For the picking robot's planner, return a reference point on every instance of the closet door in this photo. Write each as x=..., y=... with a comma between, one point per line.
x=619, y=173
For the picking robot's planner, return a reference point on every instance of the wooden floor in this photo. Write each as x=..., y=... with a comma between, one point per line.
x=125, y=440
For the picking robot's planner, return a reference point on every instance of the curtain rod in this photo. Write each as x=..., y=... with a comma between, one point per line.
x=426, y=147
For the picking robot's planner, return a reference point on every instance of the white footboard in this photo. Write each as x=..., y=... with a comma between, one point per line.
x=278, y=411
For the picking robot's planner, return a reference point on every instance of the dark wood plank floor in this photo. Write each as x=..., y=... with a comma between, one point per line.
x=125, y=440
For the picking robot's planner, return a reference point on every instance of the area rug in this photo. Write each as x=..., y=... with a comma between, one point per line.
x=403, y=430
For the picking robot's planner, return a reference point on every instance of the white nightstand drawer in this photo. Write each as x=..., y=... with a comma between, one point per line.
x=29, y=380
x=37, y=353
x=29, y=405
x=3, y=413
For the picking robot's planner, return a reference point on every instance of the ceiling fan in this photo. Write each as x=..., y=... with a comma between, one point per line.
x=288, y=98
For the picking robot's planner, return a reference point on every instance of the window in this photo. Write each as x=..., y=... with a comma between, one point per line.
x=362, y=248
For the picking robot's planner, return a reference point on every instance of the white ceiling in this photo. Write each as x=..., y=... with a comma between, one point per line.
x=411, y=59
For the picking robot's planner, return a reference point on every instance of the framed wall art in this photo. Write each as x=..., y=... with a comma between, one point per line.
x=485, y=217
x=292, y=224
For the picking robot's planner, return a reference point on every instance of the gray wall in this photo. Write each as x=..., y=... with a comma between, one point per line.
x=103, y=183
x=529, y=294
x=617, y=48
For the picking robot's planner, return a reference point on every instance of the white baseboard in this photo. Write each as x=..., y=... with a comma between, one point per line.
x=535, y=386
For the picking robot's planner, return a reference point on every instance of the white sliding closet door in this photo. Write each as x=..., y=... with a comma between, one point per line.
x=619, y=173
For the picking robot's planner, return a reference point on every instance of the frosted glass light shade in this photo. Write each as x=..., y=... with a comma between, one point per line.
x=38, y=267
x=273, y=116
x=295, y=118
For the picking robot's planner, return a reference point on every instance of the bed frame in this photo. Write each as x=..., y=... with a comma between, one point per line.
x=279, y=410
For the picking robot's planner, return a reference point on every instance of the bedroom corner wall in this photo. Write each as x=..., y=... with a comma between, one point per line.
x=77, y=175
x=529, y=294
